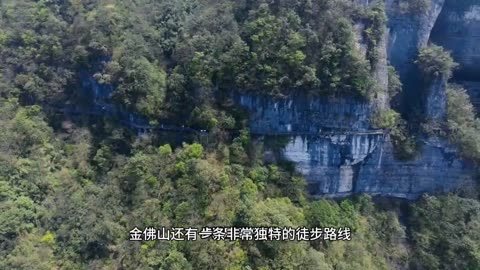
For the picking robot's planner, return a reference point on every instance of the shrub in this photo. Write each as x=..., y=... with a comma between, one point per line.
x=385, y=119
x=434, y=61
x=394, y=83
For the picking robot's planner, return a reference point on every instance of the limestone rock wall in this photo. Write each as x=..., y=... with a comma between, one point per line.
x=409, y=31
x=305, y=115
x=341, y=155
x=458, y=30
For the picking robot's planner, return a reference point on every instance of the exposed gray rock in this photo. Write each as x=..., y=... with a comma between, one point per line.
x=409, y=31
x=327, y=166
x=328, y=162
x=437, y=169
x=473, y=90
x=381, y=73
x=341, y=155
x=360, y=43
x=305, y=115
x=341, y=165
x=436, y=100
x=458, y=30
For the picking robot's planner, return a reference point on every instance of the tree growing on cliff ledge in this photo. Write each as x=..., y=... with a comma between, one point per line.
x=434, y=61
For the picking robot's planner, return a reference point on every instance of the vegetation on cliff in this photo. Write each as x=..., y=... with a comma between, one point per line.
x=445, y=233
x=167, y=55
x=433, y=61
x=69, y=202
x=463, y=125
x=71, y=190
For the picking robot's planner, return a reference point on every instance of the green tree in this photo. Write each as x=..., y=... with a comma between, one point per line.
x=462, y=122
x=30, y=253
x=434, y=61
x=142, y=87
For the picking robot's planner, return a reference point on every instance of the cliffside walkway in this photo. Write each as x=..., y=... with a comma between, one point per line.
x=127, y=119
x=141, y=126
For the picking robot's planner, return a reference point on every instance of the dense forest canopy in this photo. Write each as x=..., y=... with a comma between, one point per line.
x=71, y=190
x=166, y=56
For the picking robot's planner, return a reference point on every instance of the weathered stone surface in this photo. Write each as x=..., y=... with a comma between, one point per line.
x=458, y=30
x=436, y=100
x=366, y=164
x=360, y=43
x=305, y=115
x=437, y=169
x=341, y=165
x=409, y=31
x=341, y=155
x=381, y=73
x=328, y=162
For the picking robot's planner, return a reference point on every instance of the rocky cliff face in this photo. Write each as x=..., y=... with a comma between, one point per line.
x=458, y=30
x=340, y=155
x=331, y=141
x=437, y=169
x=303, y=115
x=436, y=99
x=409, y=30
x=331, y=162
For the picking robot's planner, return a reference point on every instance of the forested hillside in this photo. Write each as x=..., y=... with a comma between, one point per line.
x=72, y=188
